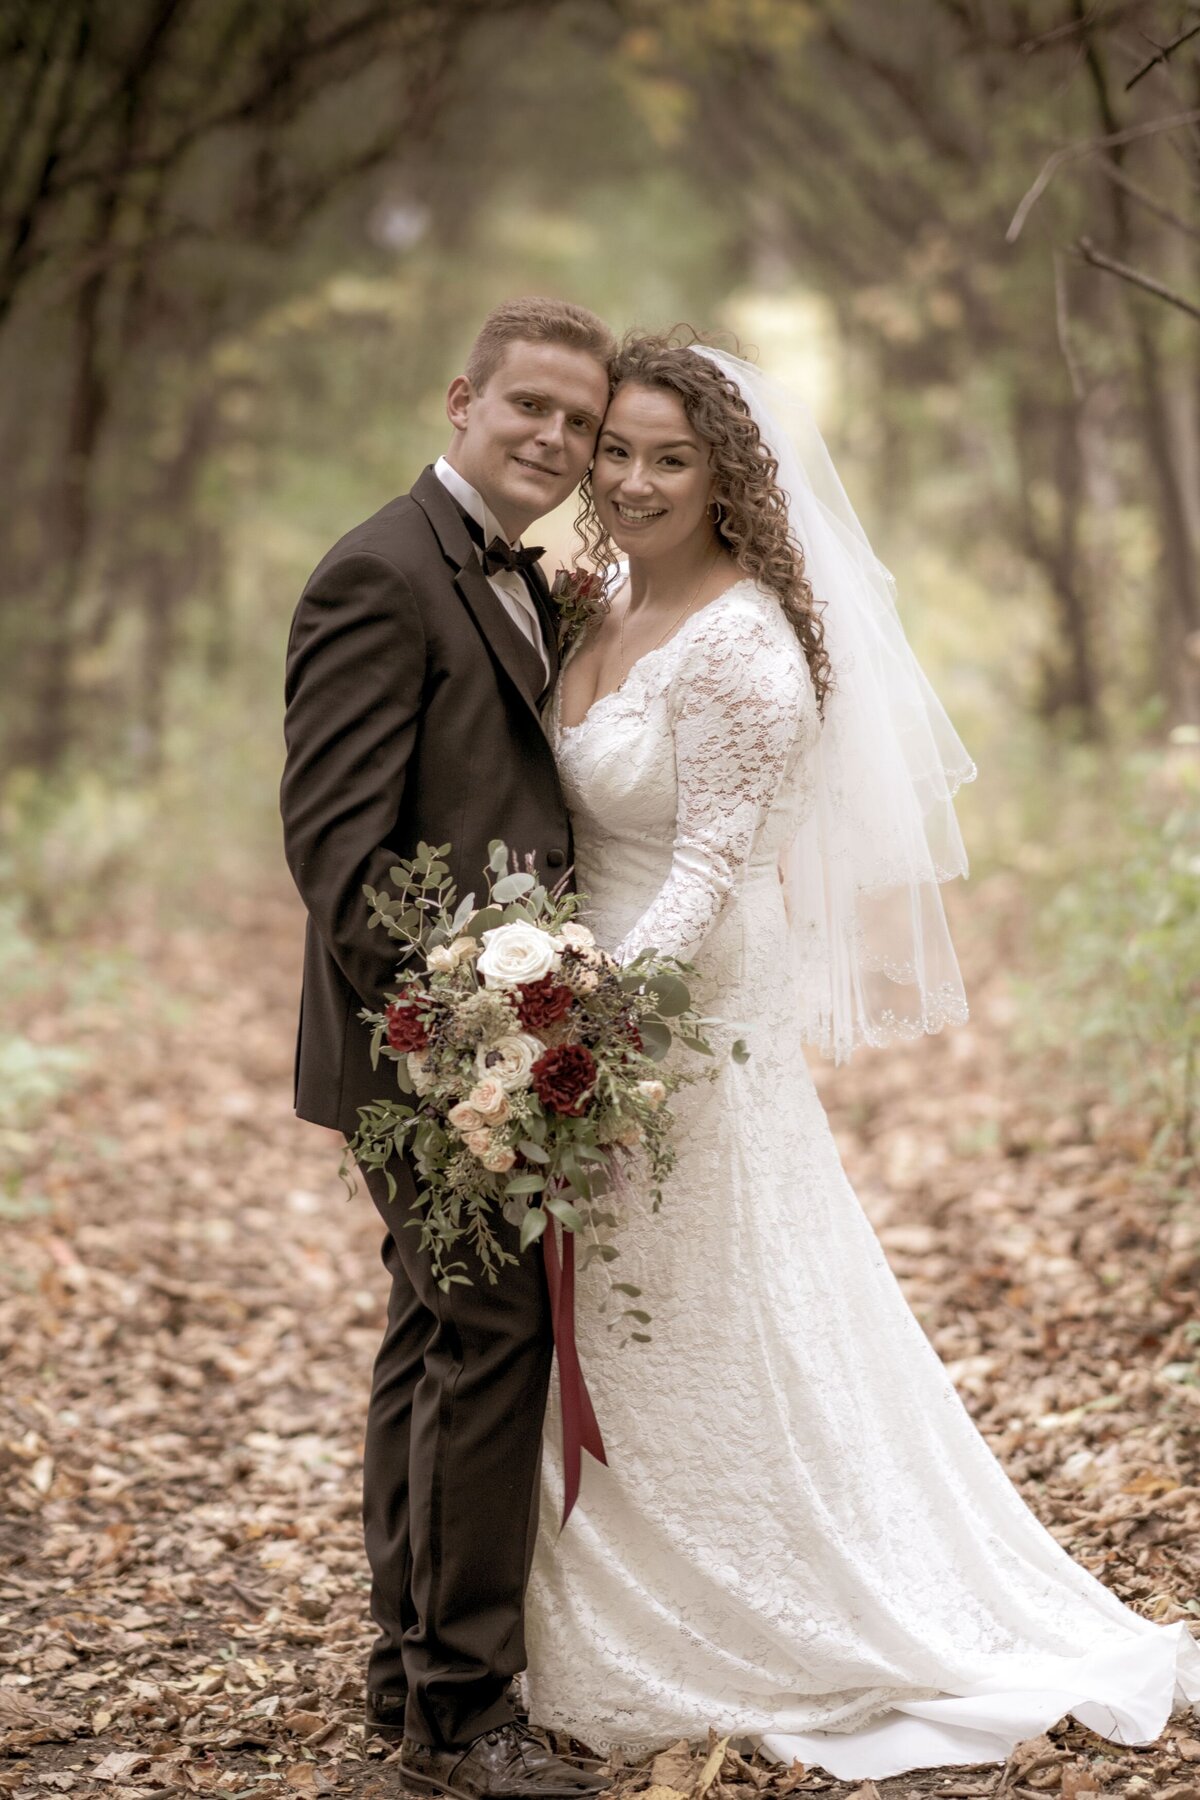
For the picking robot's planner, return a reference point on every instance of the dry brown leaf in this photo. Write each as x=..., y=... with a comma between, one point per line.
x=673, y=1767
x=711, y=1769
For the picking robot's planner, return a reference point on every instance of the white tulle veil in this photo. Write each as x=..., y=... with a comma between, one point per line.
x=862, y=877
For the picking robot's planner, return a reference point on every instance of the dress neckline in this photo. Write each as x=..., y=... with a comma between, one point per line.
x=645, y=657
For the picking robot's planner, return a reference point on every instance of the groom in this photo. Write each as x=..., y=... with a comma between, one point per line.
x=421, y=650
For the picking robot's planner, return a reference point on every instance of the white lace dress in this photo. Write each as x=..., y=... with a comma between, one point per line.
x=801, y=1538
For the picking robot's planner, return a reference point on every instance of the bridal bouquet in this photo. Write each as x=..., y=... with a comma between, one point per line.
x=528, y=1061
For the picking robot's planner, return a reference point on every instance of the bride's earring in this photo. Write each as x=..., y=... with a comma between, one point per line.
x=716, y=511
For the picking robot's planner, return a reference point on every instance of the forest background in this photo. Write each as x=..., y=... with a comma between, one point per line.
x=243, y=247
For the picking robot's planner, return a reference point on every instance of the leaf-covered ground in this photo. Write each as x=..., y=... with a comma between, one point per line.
x=190, y=1305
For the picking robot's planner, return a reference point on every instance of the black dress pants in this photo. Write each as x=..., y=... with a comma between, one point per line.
x=450, y=1480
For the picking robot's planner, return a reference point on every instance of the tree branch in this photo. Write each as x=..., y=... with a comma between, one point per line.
x=1149, y=201
x=1161, y=53
x=1086, y=250
x=1074, y=152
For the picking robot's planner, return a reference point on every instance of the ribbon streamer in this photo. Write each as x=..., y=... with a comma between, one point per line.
x=579, y=1428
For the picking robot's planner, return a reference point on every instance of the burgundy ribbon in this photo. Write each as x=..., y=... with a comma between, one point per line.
x=579, y=1428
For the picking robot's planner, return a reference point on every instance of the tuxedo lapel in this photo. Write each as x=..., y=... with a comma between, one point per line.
x=545, y=606
x=519, y=660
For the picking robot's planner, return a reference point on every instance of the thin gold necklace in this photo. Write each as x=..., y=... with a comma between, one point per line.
x=676, y=621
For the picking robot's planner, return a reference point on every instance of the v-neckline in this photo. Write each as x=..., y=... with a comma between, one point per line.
x=645, y=657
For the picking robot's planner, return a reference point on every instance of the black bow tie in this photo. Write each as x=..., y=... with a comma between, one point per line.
x=500, y=555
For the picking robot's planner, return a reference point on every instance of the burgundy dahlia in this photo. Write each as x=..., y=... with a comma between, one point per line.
x=404, y=1028
x=563, y=1078
x=543, y=1003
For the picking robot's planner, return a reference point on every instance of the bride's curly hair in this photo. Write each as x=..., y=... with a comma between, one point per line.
x=753, y=516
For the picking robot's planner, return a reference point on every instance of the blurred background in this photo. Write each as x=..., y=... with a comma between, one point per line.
x=244, y=246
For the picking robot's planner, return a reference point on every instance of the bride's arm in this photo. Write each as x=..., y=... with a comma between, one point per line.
x=737, y=704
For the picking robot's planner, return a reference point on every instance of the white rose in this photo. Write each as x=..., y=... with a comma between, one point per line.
x=498, y=1161
x=479, y=1143
x=578, y=937
x=441, y=960
x=516, y=953
x=510, y=1059
x=490, y=1100
x=464, y=1118
x=653, y=1092
x=419, y=1072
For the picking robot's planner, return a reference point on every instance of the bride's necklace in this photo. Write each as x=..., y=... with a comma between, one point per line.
x=679, y=617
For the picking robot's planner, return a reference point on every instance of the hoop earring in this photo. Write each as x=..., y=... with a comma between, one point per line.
x=716, y=512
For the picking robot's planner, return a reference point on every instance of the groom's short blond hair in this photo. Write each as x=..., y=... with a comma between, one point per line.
x=532, y=320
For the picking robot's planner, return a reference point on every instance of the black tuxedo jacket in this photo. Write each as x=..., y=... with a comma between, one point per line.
x=412, y=714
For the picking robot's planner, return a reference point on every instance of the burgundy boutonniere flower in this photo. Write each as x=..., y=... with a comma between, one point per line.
x=579, y=597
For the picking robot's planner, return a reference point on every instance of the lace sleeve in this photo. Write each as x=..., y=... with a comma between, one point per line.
x=738, y=700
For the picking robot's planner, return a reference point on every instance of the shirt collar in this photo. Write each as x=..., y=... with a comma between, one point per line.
x=471, y=502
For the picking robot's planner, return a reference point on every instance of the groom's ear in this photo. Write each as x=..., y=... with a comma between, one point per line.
x=458, y=402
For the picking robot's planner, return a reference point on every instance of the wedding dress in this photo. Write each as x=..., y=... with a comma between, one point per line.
x=800, y=1539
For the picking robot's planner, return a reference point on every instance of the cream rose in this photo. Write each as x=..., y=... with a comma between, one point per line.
x=441, y=960
x=479, y=1143
x=629, y=1136
x=653, y=1092
x=464, y=948
x=576, y=936
x=516, y=953
x=464, y=1117
x=509, y=1059
x=419, y=1072
x=490, y=1100
x=498, y=1161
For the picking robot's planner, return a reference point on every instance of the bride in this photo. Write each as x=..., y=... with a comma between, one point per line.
x=800, y=1539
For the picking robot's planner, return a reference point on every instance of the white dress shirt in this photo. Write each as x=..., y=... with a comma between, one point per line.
x=508, y=585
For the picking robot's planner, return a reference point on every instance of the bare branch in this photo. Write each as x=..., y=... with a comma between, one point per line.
x=1063, y=325
x=1086, y=250
x=1162, y=52
x=1074, y=152
x=1150, y=201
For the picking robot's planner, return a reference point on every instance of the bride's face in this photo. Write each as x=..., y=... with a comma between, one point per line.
x=651, y=480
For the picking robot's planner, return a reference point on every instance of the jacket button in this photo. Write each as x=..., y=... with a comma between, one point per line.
x=555, y=858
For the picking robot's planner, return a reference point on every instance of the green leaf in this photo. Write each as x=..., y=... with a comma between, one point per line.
x=739, y=1052
x=562, y=1209
x=641, y=1337
x=498, y=856
x=484, y=920
x=670, y=994
x=633, y=1312
x=460, y=917
x=532, y=1227
x=512, y=887
x=655, y=1037
x=525, y=1184
x=627, y=1287
x=532, y=1151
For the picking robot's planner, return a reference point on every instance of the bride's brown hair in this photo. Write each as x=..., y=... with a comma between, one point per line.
x=753, y=516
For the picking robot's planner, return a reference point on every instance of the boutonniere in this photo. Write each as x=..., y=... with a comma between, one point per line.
x=579, y=597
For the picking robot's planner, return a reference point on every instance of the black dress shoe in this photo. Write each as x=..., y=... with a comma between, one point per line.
x=509, y=1763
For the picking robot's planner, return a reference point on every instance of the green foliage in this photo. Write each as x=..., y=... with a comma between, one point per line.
x=1120, y=939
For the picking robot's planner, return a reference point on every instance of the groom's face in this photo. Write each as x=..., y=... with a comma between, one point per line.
x=525, y=439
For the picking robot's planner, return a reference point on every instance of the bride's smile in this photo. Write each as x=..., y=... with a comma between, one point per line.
x=651, y=481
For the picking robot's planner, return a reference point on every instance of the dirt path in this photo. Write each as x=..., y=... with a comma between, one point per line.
x=189, y=1309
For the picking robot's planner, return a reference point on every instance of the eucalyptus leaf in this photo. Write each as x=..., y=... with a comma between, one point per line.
x=532, y=1227
x=525, y=1184
x=512, y=887
x=562, y=1209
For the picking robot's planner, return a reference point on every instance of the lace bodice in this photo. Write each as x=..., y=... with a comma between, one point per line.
x=689, y=778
